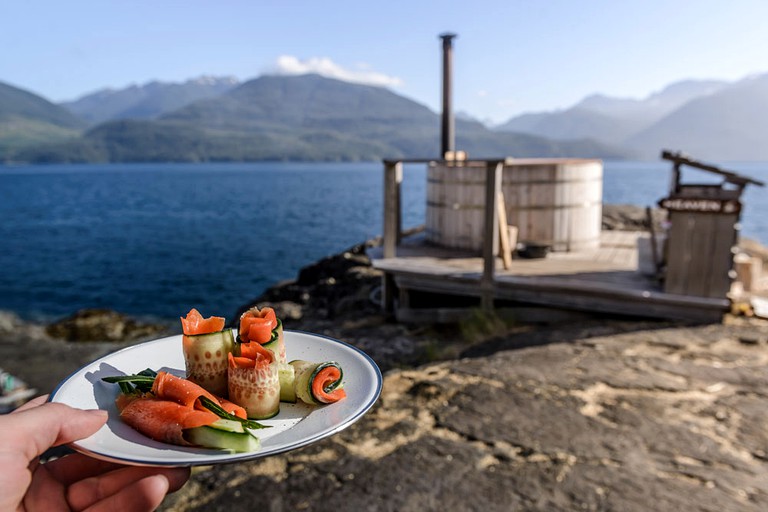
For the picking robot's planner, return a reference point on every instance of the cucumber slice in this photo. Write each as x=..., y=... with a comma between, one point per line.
x=256, y=389
x=228, y=426
x=286, y=374
x=277, y=343
x=210, y=437
x=302, y=382
x=206, y=359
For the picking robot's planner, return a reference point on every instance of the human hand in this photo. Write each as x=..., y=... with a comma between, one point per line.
x=76, y=481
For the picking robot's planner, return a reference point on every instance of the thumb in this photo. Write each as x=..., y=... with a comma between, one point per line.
x=34, y=430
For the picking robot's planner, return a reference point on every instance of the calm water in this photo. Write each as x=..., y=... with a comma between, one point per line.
x=154, y=240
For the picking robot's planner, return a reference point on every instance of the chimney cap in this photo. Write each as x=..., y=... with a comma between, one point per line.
x=447, y=36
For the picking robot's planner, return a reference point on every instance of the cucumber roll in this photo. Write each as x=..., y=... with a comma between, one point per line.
x=318, y=383
x=254, y=381
x=262, y=326
x=205, y=359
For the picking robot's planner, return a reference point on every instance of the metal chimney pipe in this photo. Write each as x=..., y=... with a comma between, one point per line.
x=447, y=142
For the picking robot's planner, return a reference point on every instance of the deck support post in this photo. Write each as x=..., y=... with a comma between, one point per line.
x=493, y=172
x=393, y=229
x=393, y=179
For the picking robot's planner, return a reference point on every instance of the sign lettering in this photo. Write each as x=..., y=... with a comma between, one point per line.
x=700, y=205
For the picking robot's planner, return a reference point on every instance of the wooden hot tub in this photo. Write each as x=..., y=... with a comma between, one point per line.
x=555, y=202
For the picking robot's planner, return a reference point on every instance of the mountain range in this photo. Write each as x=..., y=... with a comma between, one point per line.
x=713, y=120
x=146, y=101
x=27, y=120
x=309, y=117
x=306, y=117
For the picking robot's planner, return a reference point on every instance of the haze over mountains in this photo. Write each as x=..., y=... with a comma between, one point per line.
x=709, y=119
x=309, y=117
x=611, y=119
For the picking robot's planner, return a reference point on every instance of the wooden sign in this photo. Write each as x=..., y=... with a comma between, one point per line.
x=700, y=205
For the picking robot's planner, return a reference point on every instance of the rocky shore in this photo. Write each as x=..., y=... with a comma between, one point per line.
x=591, y=413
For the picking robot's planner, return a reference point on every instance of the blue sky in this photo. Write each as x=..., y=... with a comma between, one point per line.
x=510, y=56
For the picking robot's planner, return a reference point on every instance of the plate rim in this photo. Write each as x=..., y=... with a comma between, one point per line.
x=217, y=457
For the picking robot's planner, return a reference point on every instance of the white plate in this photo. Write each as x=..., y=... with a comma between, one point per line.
x=295, y=426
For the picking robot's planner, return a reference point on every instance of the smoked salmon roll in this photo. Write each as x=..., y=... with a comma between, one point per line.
x=263, y=327
x=163, y=420
x=254, y=381
x=206, y=345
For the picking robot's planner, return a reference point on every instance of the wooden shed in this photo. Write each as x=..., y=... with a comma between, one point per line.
x=703, y=229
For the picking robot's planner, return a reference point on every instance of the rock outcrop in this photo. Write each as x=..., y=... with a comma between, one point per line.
x=103, y=325
x=625, y=217
x=655, y=419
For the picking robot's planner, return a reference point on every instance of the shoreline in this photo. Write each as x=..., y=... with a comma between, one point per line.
x=332, y=297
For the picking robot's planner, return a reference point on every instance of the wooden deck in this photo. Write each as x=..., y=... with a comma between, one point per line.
x=603, y=280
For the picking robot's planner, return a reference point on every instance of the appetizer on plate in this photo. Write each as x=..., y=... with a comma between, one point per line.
x=263, y=327
x=230, y=382
x=254, y=381
x=207, y=345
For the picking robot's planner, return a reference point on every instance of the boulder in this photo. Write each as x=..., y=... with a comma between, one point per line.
x=334, y=288
x=102, y=325
x=626, y=217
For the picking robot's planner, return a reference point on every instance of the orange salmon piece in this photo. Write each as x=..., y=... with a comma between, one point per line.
x=257, y=325
x=194, y=323
x=163, y=420
x=182, y=391
x=324, y=378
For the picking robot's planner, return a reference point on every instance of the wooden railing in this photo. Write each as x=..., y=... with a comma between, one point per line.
x=393, y=229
